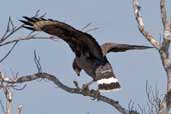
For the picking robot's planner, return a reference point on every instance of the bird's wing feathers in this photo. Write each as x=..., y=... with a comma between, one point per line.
x=80, y=42
x=114, y=47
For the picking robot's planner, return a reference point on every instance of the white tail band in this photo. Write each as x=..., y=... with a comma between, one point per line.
x=107, y=80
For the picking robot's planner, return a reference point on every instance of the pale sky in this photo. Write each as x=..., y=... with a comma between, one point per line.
x=116, y=23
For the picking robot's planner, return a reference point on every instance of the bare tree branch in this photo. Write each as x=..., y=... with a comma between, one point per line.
x=140, y=22
x=163, y=12
x=7, y=90
x=8, y=34
x=28, y=38
x=170, y=23
x=40, y=75
x=164, y=53
x=163, y=50
x=10, y=29
x=153, y=98
x=90, y=93
x=8, y=95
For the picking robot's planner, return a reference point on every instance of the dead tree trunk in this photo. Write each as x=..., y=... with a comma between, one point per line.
x=163, y=48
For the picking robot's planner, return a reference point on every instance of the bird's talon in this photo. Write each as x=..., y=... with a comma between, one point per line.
x=96, y=94
x=85, y=87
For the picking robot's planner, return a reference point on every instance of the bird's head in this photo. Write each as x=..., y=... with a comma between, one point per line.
x=76, y=68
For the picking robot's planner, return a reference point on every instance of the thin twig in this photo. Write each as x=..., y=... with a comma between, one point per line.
x=86, y=26
x=11, y=29
x=37, y=62
x=21, y=88
x=91, y=29
x=37, y=13
x=2, y=106
x=143, y=111
x=12, y=24
x=76, y=84
x=7, y=30
x=7, y=35
x=12, y=48
x=19, y=109
x=153, y=99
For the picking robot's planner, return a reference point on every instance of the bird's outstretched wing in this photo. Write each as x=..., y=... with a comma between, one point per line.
x=115, y=47
x=80, y=42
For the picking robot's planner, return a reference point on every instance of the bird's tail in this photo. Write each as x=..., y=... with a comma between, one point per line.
x=107, y=81
x=108, y=84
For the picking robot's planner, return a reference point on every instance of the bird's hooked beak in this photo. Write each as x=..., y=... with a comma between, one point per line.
x=77, y=72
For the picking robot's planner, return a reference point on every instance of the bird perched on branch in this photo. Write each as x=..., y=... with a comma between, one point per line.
x=89, y=55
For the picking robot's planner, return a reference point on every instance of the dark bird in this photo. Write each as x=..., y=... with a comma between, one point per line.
x=89, y=55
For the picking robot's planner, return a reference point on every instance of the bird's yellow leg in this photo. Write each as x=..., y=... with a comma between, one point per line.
x=86, y=86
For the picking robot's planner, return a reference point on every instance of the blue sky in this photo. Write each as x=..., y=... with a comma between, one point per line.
x=116, y=23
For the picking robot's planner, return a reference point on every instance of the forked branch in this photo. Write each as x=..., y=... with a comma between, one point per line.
x=141, y=26
x=163, y=49
x=11, y=29
x=76, y=90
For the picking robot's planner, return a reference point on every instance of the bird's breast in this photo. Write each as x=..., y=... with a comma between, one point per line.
x=88, y=65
